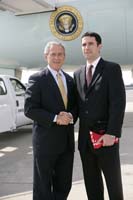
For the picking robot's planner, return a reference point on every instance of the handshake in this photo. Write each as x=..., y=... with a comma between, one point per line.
x=64, y=118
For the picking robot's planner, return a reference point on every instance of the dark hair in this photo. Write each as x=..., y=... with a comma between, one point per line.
x=95, y=35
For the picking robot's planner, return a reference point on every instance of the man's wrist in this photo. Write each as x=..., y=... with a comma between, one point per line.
x=71, y=122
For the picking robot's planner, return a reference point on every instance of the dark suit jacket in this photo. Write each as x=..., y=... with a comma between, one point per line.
x=102, y=104
x=42, y=102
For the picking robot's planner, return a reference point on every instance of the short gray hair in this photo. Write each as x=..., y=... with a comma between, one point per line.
x=49, y=44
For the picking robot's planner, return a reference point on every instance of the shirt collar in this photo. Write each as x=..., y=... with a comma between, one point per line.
x=54, y=72
x=94, y=63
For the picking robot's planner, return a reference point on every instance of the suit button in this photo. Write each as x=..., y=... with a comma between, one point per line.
x=86, y=99
x=86, y=112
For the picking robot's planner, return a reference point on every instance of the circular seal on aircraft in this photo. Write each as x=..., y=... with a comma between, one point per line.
x=66, y=23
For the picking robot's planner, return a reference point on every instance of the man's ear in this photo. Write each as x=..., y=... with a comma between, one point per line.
x=100, y=46
x=45, y=57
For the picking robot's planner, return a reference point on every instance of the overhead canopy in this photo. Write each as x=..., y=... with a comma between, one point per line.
x=22, y=7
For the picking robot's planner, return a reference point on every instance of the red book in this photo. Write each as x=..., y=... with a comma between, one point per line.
x=95, y=137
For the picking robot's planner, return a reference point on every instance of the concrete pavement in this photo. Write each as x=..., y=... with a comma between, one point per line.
x=78, y=190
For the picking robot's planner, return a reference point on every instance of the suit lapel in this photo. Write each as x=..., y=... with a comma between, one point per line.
x=53, y=86
x=82, y=81
x=69, y=85
x=83, y=78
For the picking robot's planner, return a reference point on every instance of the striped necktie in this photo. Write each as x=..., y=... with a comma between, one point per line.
x=62, y=89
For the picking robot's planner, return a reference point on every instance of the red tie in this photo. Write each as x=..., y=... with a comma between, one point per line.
x=89, y=75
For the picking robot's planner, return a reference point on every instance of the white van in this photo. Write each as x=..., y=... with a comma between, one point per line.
x=12, y=93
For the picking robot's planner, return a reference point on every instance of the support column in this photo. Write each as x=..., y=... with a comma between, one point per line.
x=132, y=73
x=18, y=73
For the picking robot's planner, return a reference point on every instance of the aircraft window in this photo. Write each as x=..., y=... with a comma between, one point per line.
x=18, y=87
x=2, y=87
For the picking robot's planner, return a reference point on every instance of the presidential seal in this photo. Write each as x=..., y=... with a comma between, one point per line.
x=66, y=23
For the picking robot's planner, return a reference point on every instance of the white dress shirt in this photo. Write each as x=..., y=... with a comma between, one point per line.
x=94, y=65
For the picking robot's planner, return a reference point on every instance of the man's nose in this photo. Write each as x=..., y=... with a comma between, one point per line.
x=87, y=46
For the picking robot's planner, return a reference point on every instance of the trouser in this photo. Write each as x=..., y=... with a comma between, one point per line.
x=52, y=176
x=106, y=160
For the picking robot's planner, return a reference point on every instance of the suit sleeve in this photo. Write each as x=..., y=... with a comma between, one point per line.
x=72, y=98
x=74, y=110
x=33, y=108
x=116, y=99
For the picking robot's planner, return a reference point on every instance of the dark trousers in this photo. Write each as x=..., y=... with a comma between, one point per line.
x=52, y=176
x=104, y=160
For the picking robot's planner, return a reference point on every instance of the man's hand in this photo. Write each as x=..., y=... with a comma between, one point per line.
x=107, y=140
x=64, y=118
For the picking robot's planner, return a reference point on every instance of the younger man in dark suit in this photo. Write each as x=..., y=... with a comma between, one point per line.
x=50, y=103
x=101, y=100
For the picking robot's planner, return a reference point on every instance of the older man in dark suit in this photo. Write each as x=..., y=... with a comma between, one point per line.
x=50, y=102
x=101, y=99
